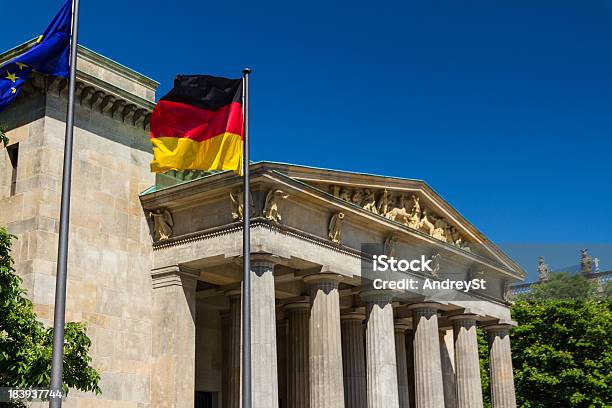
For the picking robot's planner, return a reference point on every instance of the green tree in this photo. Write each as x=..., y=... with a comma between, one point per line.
x=562, y=353
x=483, y=350
x=26, y=344
x=562, y=286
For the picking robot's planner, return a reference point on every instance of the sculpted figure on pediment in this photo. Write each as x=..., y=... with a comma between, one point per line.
x=271, y=211
x=335, y=228
x=369, y=202
x=398, y=214
x=162, y=224
x=383, y=206
x=425, y=224
x=357, y=198
x=440, y=227
x=402, y=203
x=335, y=191
x=345, y=194
x=414, y=218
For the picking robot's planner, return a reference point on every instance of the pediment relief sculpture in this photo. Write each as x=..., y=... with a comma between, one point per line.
x=237, y=201
x=335, y=228
x=162, y=224
x=405, y=210
x=271, y=210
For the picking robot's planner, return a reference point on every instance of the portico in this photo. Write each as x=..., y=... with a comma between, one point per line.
x=319, y=337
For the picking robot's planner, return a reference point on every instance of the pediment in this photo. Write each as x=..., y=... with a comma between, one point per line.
x=410, y=203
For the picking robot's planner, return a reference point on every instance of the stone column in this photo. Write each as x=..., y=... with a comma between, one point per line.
x=410, y=360
x=298, y=392
x=500, y=365
x=403, y=385
x=429, y=390
x=231, y=394
x=326, y=388
x=380, y=352
x=173, y=347
x=281, y=358
x=447, y=362
x=353, y=360
x=467, y=363
x=263, y=333
x=225, y=372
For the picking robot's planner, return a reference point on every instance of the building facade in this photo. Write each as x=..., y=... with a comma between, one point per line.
x=155, y=268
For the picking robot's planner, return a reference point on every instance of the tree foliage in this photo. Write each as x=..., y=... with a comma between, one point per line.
x=562, y=286
x=562, y=353
x=561, y=349
x=26, y=344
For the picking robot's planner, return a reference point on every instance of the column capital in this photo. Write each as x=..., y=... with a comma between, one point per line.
x=377, y=296
x=298, y=305
x=264, y=257
x=322, y=277
x=499, y=328
x=425, y=306
x=400, y=326
x=353, y=315
x=462, y=317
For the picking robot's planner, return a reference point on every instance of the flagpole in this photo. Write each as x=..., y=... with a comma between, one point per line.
x=59, y=316
x=246, y=251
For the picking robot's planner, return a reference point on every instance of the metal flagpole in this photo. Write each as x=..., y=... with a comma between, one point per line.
x=59, y=316
x=246, y=251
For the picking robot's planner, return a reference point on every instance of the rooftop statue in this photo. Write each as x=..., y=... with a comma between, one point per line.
x=586, y=262
x=543, y=270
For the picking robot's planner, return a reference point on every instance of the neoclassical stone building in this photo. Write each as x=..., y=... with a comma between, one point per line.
x=155, y=268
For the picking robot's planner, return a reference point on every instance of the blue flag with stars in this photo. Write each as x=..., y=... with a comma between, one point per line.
x=48, y=56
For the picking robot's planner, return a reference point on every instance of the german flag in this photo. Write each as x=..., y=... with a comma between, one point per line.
x=199, y=125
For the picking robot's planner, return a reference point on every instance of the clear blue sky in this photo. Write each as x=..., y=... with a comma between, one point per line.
x=504, y=108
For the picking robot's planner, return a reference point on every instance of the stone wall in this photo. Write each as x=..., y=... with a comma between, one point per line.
x=109, y=284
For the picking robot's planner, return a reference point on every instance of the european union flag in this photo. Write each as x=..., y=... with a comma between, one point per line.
x=48, y=56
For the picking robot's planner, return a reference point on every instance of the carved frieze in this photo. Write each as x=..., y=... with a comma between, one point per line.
x=398, y=207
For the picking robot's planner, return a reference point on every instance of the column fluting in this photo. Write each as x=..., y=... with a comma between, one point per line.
x=500, y=366
x=263, y=333
x=231, y=397
x=429, y=390
x=403, y=385
x=353, y=360
x=381, y=362
x=325, y=362
x=467, y=362
x=447, y=361
x=298, y=383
